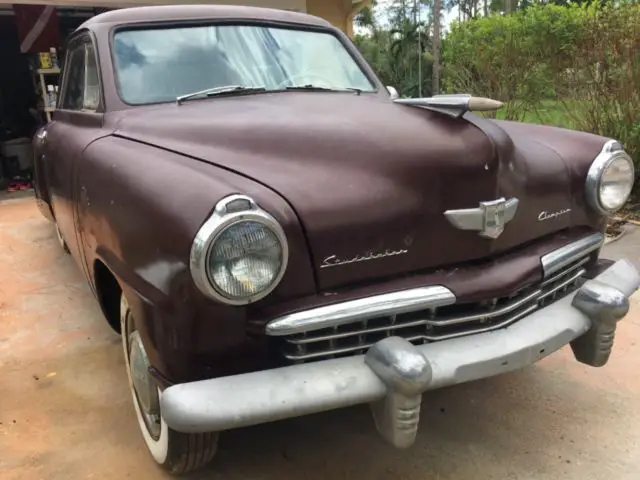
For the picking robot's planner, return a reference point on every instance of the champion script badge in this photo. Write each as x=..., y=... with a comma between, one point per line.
x=551, y=215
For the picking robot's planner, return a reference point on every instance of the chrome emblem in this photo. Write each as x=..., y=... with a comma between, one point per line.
x=551, y=215
x=489, y=219
x=335, y=261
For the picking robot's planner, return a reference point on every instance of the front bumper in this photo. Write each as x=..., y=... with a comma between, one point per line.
x=394, y=373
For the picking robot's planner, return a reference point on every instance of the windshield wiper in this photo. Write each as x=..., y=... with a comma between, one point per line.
x=318, y=88
x=209, y=92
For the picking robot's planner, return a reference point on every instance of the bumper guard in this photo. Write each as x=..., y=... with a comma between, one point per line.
x=393, y=374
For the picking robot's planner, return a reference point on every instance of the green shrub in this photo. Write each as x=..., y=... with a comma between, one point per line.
x=605, y=79
x=585, y=60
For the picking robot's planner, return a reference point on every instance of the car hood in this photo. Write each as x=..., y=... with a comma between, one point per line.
x=370, y=180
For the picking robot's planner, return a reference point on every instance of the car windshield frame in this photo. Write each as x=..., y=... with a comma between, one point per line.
x=350, y=50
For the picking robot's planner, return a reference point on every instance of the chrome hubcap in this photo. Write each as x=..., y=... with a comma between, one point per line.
x=143, y=384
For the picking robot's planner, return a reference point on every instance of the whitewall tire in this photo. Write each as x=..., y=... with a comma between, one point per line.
x=176, y=452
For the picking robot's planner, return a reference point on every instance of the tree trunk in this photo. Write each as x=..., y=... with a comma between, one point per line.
x=510, y=5
x=437, y=8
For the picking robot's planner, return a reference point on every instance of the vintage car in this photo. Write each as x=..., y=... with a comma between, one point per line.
x=275, y=233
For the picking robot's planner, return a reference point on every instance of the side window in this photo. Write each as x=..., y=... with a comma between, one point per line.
x=74, y=89
x=83, y=87
x=92, y=85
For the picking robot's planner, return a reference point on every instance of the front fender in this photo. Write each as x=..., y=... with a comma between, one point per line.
x=140, y=208
x=41, y=191
x=554, y=153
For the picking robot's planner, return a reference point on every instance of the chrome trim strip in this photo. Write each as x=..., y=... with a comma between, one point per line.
x=445, y=322
x=514, y=311
x=489, y=328
x=560, y=258
x=395, y=329
x=361, y=309
x=419, y=298
x=423, y=336
x=564, y=272
x=418, y=323
x=566, y=282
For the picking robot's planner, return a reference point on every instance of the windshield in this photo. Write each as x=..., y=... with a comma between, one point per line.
x=161, y=64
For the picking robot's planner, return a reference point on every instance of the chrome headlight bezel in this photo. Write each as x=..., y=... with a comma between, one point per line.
x=228, y=212
x=611, y=151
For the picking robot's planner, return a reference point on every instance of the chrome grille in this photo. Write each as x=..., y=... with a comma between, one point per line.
x=434, y=324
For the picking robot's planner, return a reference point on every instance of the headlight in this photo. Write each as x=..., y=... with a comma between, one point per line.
x=610, y=179
x=240, y=254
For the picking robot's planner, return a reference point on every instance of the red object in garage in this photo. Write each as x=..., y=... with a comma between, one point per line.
x=38, y=27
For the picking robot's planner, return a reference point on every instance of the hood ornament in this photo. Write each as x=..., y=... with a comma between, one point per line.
x=489, y=219
x=454, y=105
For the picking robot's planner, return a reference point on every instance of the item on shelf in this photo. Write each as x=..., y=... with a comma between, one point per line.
x=51, y=96
x=45, y=60
x=54, y=57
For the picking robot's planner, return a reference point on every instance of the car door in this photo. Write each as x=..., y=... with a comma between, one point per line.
x=77, y=122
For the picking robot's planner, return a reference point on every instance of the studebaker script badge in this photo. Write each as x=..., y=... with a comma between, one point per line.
x=489, y=219
x=551, y=215
x=334, y=260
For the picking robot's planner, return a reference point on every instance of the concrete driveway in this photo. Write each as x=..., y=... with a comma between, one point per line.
x=65, y=411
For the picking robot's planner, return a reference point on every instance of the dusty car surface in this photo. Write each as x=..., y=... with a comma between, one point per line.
x=274, y=233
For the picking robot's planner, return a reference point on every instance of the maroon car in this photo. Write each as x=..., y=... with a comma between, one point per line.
x=275, y=233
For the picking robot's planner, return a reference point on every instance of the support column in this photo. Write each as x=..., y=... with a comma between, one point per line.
x=339, y=13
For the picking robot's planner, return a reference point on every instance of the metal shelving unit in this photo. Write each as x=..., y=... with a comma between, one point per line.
x=42, y=73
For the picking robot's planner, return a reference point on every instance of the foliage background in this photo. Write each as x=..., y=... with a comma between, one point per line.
x=570, y=64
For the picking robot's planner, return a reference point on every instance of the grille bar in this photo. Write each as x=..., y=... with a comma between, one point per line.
x=565, y=272
x=433, y=324
x=492, y=313
x=416, y=323
x=413, y=338
x=563, y=284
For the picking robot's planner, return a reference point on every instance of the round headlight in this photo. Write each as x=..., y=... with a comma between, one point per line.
x=610, y=179
x=240, y=254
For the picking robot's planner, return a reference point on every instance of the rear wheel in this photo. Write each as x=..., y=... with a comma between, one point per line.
x=174, y=451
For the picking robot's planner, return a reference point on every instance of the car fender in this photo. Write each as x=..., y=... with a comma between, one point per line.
x=139, y=209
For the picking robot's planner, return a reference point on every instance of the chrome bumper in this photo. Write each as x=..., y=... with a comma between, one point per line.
x=394, y=373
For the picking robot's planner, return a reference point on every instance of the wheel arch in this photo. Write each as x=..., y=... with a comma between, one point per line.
x=108, y=293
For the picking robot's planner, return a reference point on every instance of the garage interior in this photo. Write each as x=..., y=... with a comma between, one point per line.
x=31, y=51
x=32, y=48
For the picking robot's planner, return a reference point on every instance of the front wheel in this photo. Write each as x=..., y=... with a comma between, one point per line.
x=174, y=451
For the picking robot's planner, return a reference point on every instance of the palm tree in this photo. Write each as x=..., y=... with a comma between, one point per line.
x=366, y=17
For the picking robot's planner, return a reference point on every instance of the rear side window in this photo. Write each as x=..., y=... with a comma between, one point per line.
x=91, y=98
x=82, y=90
x=74, y=90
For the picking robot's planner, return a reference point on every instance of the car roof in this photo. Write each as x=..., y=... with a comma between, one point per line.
x=170, y=13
